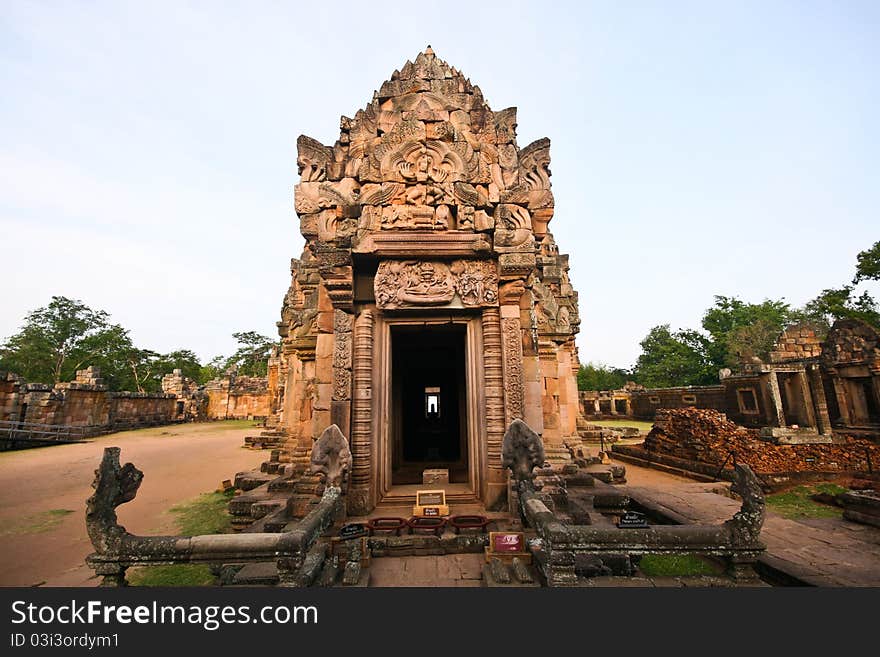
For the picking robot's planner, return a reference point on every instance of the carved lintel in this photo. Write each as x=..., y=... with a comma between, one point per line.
x=417, y=283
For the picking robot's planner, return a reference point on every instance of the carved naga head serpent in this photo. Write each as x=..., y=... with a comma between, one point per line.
x=521, y=450
x=331, y=457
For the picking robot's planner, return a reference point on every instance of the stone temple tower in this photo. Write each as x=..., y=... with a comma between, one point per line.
x=431, y=306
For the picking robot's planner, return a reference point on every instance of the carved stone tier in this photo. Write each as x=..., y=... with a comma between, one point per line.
x=424, y=244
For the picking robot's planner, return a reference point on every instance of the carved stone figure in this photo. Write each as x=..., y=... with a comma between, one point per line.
x=521, y=450
x=476, y=282
x=114, y=485
x=747, y=522
x=331, y=457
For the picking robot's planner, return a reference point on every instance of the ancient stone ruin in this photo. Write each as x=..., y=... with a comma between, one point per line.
x=431, y=306
x=810, y=389
x=427, y=341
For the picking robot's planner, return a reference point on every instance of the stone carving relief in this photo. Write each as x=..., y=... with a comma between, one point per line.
x=414, y=283
x=312, y=159
x=476, y=282
x=400, y=284
x=509, y=294
x=511, y=340
x=342, y=355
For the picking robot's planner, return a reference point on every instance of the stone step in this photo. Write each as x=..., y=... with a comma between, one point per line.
x=262, y=573
x=251, y=479
x=278, y=521
x=266, y=507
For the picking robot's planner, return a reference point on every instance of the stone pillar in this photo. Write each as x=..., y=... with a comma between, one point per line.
x=361, y=496
x=842, y=400
x=493, y=377
x=597, y=408
x=823, y=420
x=550, y=394
x=324, y=347
x=776, y=399
x=875, y=386
x=628, y=406
x=568, y=401
x=807, y=397
x=613, y=405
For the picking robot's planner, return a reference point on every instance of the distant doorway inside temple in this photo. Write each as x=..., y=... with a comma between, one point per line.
x=428, y=402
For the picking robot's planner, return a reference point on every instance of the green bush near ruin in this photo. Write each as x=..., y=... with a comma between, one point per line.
x=205, y=514
x=676, y=565
x=796, y=503
x=180, y=574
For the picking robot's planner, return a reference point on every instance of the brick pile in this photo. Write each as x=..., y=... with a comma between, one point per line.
x=707, y=436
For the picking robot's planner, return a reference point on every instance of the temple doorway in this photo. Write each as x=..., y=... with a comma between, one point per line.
x=428, y=402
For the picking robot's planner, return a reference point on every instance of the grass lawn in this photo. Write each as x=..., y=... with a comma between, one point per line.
x=194, y=428
x=641, y=425
x=36, y=523
x=677, y=565
x=796, y=503
x=205, y=514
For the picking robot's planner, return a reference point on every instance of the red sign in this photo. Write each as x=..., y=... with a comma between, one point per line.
x=507, y=542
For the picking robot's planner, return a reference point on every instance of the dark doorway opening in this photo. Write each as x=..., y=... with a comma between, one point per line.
x=429, y=402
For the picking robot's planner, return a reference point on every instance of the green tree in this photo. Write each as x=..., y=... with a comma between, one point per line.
x=67, y=335
x=677, y=358
x=596, y=376
x=58, y=339
x=739, y=330
x=213, y=369
x=184, y=360
x=868, y=264
x=252, y=354
x=841, y=303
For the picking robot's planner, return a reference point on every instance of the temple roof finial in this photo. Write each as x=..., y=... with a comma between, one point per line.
x=429, y=50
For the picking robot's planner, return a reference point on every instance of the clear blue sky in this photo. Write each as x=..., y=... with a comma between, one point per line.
x=148, y=150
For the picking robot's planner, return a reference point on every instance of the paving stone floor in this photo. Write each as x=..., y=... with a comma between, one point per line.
x=827, y=552
x=451, y=570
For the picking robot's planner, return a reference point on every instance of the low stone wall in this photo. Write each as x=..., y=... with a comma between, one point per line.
x=132, y=409
x=646, y=402
x=82, y=403
x=238, y=398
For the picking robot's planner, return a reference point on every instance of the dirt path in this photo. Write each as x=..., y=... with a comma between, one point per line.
x=43, y=492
